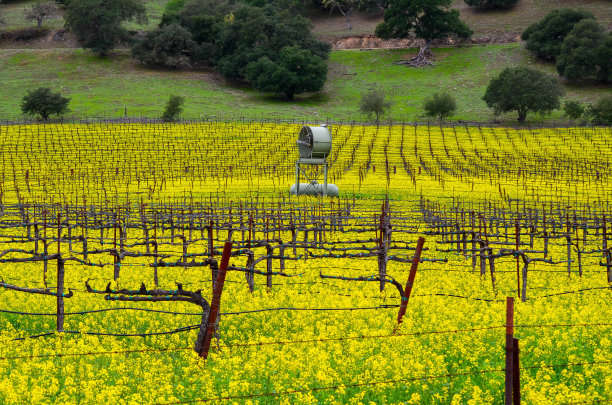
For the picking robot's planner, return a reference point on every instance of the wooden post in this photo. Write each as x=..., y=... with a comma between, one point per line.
x=60, y=294
x=516, y=376
x=518, y=271
x=509, y=350
x=269, y=252
x=59, y=232
x=211, y=252
x=607, y=251
x=155, y=275
x=216, y=300
x=413, y=269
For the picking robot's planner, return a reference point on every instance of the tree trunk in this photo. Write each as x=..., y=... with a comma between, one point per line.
x=422, y=59
x=347, y=15
x=522, y=114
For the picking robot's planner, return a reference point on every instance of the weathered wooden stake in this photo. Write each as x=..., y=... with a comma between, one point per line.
x=518, y=271
x=509, y=350
x=60, y=294
x=216, y=299
x=516, y=377
x=413, y=269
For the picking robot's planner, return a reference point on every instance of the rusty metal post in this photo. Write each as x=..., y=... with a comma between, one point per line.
x=216, y=300
x=413, y=269
x=509, y=350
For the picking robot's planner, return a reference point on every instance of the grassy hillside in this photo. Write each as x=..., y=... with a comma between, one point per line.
x=492, y=23
x=14, y=10
x=100, y=86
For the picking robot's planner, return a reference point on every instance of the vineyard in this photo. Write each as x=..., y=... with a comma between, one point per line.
x=168, y=264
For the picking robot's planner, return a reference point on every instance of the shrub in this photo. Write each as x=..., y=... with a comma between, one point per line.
x=600, y=113
x=440, y=105
x=169, y=46
x=573, y=109
x=43, y=102
x=174, y=108
x=545, y=37
x=373, y=103
x=523, y=90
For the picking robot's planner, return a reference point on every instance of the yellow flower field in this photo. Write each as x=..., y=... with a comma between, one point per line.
x=308, y=339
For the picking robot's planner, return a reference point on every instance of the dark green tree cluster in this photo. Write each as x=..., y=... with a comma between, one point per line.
x=169, y=46
x=545, y=37
x=270, y=47
x=575, y=41
x=598, y=113
x=98, y=24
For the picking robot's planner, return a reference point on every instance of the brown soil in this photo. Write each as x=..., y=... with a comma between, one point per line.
x=370, y=41
x=54, y=38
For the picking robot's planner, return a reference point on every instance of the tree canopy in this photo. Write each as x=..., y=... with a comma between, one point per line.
x=546, y=36
x=169, y=46
x=43, y=102
x=269, y=45
x=296, y=70
x=41, y=10
x=426, y=19
x=586, y=53
x=523, y=90
x=97, y=24
x=440, y=105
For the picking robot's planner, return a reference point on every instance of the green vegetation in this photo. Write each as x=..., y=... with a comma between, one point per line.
x=173, y=109
x=168, y=46
x=601, y=112
x=43, y=103
x=523, y=90
x=440, y=105
x=545, y=37
x=425, y=19
x=586, y=53
x=295, y=71
x=91, y=82
x=573, y=109
x=97, y=24
x=40, y=11
x=374, y=104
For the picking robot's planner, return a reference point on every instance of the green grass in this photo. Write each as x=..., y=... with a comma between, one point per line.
x=106, y=86
x=13, y=14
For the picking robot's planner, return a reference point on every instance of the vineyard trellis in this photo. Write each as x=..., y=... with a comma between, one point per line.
x=147, y=207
